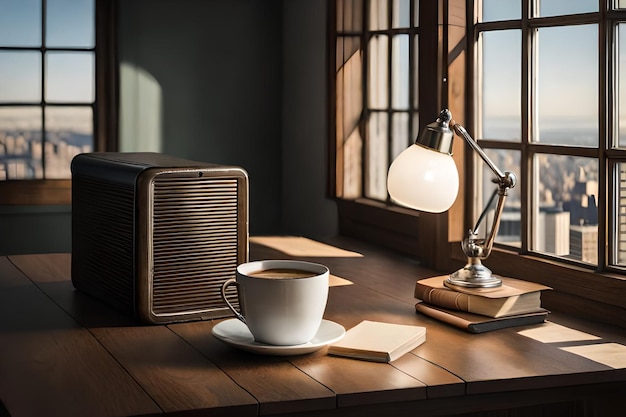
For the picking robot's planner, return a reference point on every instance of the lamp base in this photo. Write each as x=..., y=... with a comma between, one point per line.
x=474, y=275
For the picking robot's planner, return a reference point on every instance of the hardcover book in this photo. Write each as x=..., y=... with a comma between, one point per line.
x=378, y=341
x=512, y=298
x=475, y=323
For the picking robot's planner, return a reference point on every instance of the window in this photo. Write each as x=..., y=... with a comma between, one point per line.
x=544, y=94
x=52, y=102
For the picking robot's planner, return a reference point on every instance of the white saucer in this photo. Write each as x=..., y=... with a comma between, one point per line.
x=235, y=333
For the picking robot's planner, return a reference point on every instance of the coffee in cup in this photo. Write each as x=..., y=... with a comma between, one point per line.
x=282, y=301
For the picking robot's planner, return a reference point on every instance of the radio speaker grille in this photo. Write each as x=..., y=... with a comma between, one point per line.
x=157, y=236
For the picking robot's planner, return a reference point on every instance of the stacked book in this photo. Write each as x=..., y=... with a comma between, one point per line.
x=479, y=310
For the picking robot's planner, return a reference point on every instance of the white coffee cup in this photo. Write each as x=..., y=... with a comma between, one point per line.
x=282, y=301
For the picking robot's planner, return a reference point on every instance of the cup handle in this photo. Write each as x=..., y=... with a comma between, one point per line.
x=228, y=283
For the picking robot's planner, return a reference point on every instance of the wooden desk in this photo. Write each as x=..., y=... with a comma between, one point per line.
x=64, y=353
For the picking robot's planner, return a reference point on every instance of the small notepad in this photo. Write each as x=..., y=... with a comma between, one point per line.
x=378, y=341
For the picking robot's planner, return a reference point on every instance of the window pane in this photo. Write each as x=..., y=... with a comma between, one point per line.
x=400, y=134
x=621, y=4
x=565, y=220
x=378, y=78
x=70, y=77
x=377, y=156
x=619, y=239
x=492, y=10
x=560, y=7
x=400, y=72
x=401, y=14
x=70, y=23
x=500, y=103
x=20, y=23
x=416, y=72
x=621, y=81
x=379, y=17
x=567, y=90
x=20, y=143
x=509, y=232
x=20, y=77
x=69, y=131
x=349, y=15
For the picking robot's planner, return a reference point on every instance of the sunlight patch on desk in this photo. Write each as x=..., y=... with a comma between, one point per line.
x=609, y=354
x=302, y=246
x=335, y=281
x=554, y=333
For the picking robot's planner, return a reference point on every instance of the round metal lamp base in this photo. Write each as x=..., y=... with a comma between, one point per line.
x=474, y=276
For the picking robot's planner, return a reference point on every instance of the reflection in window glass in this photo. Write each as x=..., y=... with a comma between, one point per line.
x=560, y=7
x=619, y=238
x=400, y=72
x=378, y=72
x=492, y=10
x=509, y=232
x=567, y=90
x=20, y=143
x=565, y=218
x=70, y=76
x=500, y=106
x=20, y=77
x=70, y=24
x=377, y=159
x=20, y=23
x=68, y=132
x=378, y=14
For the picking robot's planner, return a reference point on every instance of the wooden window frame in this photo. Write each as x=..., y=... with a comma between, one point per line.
x=59, y=191
x=435, y=238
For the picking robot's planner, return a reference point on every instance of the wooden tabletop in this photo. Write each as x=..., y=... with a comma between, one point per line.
x=64, y=353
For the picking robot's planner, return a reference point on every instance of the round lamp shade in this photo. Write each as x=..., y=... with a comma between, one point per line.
x=423, y=179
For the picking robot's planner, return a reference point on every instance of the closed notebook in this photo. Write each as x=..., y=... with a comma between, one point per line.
x=512, y=298
x=378, y=341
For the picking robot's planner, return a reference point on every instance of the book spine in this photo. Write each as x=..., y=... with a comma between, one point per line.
x=442, y=297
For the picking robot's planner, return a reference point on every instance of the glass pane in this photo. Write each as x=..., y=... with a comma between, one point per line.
x=567, y=86
x=349, y=15
x=619, y=240
x=20, y=77
x=400, y=72
x=560, y=7
x=377, y=156
x=416, y=72
x=400, y=134
x=352, y=165
x=20, y=23
x=565, y=218
x=621, y=4
x=378, y=77
x=493, y=10
x=70, y=23
x=509, y=232
x=20, y=143
x=69, y=131
x=501, y=79
x=379, y=17
x=70, y=77
x=401, y=14
x=621, y=81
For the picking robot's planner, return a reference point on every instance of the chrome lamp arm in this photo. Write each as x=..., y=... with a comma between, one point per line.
x=474, y=273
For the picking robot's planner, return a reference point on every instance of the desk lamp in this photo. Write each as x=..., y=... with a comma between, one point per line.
x=424, y=177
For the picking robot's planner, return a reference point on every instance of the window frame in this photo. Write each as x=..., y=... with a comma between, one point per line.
x=105, y=135
x=594, y=293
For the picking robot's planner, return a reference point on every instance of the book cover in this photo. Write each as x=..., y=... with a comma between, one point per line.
x=475, y=323
x=378, y=341
x=512, y=298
